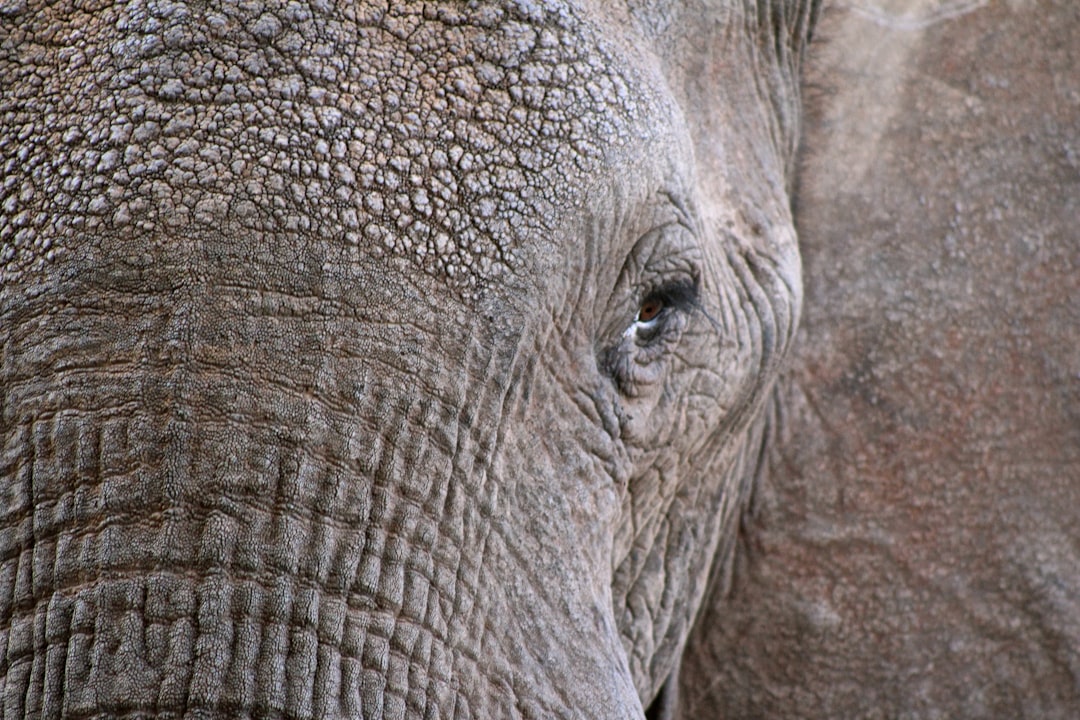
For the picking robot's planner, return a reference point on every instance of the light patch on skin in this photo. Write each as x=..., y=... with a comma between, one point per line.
x=865, y=110
x=912, y=15
x=632, y=331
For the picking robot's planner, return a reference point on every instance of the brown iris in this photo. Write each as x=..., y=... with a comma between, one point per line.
x=650, y=309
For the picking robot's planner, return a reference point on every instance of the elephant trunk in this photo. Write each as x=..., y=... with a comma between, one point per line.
x=237, y=508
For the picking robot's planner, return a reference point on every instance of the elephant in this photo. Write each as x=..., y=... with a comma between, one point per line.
x=382, y=360
x=445, y=359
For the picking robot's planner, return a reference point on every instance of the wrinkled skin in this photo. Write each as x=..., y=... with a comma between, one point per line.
x=915, y=546
x=330, y=384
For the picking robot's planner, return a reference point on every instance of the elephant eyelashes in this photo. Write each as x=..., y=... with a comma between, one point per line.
x=659, y=305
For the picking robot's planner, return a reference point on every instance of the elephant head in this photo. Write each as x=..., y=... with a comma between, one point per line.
x=364, y=360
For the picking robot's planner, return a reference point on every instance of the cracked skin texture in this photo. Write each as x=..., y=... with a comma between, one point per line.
x=433, y=133
x=323, y=393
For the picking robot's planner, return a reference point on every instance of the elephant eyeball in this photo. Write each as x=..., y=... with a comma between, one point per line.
x=650, y=309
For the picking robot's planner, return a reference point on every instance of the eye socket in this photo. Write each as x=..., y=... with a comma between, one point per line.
x=636, y=357
x=650, y=309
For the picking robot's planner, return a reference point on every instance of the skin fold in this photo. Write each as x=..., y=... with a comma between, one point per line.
x=327, y=386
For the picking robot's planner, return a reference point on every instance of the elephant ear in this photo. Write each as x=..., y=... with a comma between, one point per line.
x=915, y=548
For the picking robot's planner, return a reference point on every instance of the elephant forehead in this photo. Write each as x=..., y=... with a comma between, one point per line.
x=437, y=133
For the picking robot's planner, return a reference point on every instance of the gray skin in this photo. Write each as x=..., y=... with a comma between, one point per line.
x=327, y=385
x=915, y=546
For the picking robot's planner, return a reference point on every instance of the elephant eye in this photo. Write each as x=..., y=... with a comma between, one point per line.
x=658, y=311
x=635, y=359
x=650, y=309
x=660, y=303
